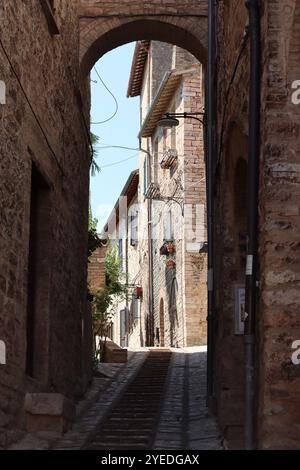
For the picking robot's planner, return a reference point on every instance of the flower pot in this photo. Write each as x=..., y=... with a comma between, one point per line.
x=170, y=263
x=139, y=292
x=170, y=247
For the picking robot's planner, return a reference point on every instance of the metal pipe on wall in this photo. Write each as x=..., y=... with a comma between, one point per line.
x=252, y=196
x=210, y=162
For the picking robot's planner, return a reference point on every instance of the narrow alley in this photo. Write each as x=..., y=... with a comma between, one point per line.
x=149, y=226
x=156, y=401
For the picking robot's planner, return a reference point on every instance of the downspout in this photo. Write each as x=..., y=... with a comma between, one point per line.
x=150, y=257
x=151, y=286
x=252, y=196
x=210, y=161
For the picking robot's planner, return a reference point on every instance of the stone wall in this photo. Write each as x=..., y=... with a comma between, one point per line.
x=279, y=300
x=277, y=379
x=96, y=269
x=49, y=133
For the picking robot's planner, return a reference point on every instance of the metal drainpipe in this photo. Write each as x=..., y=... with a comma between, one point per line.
x=151, y=265
x=252, y=190
x=210, y=159
x=150, y=255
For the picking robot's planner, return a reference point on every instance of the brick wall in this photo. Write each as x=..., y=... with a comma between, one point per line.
x=112, y=23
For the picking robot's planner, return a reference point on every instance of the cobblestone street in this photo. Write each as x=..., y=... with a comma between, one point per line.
x=184, y=423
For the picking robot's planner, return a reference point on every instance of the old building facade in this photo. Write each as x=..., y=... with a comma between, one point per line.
x=122, y=230
x=167, y=211
x=172, y=194
x=44, y=166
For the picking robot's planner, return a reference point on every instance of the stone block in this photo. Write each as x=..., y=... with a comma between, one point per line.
x=114, y=354
x=48, y=415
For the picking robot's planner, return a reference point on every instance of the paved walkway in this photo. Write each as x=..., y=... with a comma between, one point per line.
x=183, y=422
x=85, y=427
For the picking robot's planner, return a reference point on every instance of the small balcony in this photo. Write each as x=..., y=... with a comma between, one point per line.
x=153, y=191
x=169, y=160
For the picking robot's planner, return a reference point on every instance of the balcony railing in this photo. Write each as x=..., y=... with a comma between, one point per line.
x=169, y=159
x=153, y=191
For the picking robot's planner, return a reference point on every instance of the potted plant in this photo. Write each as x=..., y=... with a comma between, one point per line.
x=163, y=250
x=170, y=246
x=170, y=263
x=139, y=292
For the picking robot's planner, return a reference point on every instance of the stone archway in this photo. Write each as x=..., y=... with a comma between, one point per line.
x=107, y=25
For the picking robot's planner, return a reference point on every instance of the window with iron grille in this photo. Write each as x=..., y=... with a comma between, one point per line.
x=134, y=229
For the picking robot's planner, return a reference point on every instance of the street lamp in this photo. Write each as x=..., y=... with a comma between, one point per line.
x=172, y=119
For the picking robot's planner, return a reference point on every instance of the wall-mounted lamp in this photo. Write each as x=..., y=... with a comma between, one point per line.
x=172, y=119
x=203, y=247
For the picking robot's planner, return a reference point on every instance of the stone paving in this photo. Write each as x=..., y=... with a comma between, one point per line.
x=185, y=422
x=85, y=427
x=105, y=389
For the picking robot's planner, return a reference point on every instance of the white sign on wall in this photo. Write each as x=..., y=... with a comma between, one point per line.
x=239, y=309
x=2, y=353
x=2, y=92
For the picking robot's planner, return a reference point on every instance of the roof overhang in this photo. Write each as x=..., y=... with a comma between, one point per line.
x=160, y=103
x=130, y=190
x=162, y=100
x=138, y=68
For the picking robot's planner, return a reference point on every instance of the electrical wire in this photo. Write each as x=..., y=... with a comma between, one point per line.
x=114, y=98
x=31, y=107
x=119, y=162
x=85, y=124
x=104, y=147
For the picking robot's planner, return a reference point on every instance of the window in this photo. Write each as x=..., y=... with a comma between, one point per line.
x=120, y=249
x=136, y=309
x=155, y=163
x=134, y=229
x=133, y=314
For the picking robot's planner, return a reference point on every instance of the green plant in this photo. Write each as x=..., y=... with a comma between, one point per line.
x=106, y=299
x=94, y=154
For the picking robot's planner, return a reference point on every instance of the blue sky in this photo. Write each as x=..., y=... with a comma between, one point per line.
x=114, y=69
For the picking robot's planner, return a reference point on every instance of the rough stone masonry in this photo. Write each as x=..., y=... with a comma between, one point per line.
x=44, y=197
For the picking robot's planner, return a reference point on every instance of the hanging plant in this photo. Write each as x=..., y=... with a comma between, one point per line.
x=170, y=247
x=170, y=263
